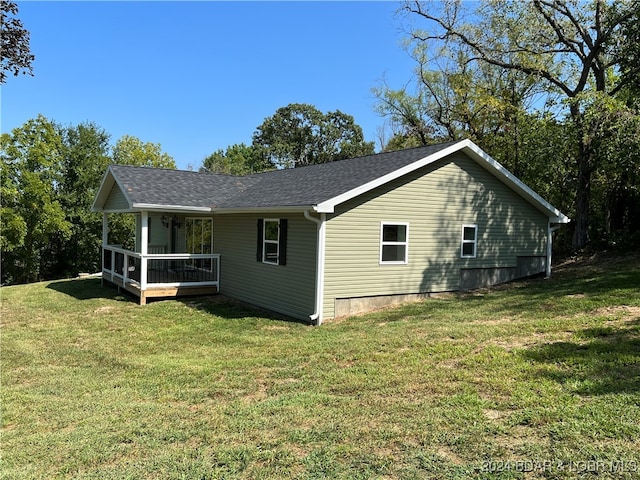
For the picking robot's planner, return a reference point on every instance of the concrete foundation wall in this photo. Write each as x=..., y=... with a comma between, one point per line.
x=484, y=277
x=528, y=266
x=471, y=278
x=345, y=307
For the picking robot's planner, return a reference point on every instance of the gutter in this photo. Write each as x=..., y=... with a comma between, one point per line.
x=316, y=316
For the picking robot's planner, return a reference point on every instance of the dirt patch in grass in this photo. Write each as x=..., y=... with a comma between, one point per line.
x=494, y=414
x=449, y=455
x=617, y=311
x=519, y=436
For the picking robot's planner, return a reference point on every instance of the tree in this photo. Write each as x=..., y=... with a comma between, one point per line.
x=239, y=159
x=85, y=150
x=31, y=165
x=16, y=56
x=130, y=150
x=300, y=134
x=570, y=47
x=455, y=101
x=616, y=184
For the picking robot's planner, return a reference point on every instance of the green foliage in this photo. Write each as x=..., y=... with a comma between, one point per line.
x=495, y=71
x=49, y=178
x=130, y=150
x=615, y=136
x=86, y=157
x=300, y=134
x=32, y=159
x=239, y=159
x=14, y=43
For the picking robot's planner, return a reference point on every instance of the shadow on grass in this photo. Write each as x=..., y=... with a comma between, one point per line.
x=544, y=294
x=218, y=305
x=606, y=361
x=87, y=289
x=229, y=308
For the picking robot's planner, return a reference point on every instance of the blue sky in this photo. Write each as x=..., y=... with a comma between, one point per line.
x=200, y=76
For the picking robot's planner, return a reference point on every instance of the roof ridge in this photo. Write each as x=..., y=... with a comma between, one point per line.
x=377, y=154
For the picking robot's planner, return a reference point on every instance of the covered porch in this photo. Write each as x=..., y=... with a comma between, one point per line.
x=172, y=256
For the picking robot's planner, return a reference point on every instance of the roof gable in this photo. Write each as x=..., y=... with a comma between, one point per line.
x=315, y=187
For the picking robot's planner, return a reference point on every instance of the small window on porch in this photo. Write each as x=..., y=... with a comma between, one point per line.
x=199, y=240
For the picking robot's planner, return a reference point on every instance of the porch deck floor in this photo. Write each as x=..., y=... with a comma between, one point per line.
x=162, y=291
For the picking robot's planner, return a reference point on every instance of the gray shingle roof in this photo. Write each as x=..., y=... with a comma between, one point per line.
x=303, y=186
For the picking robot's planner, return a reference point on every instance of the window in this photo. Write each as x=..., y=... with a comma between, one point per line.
x=272, y=241
x=199, y=240
x=394, y=243
x=271, y=238
x=469, y=241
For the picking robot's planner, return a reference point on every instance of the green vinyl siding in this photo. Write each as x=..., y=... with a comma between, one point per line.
x=116, y=200
x=287, y=289
x=158, y=234
x=435, y=201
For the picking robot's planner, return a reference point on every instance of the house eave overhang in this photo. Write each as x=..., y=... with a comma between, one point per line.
x=499, y=171
x=152, y=207
x=138, y=207
x=328, y=206
x=107, y=183
x=264, y=209
x=475, y=153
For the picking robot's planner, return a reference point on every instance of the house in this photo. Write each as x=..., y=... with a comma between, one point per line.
x=333, y=239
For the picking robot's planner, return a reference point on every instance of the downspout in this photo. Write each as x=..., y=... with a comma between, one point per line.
x=550, y=231
x=316, y=316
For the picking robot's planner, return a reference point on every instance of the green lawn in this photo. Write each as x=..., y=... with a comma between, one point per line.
x=539, y=379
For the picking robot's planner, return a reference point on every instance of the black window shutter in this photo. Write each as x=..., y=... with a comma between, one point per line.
x=282, y=245
x=259, y=240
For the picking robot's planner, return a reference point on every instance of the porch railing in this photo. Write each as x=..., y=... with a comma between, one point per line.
x=160, y=270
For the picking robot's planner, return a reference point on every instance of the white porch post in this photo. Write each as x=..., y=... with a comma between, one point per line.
x=105, y=229
x=105, y=242
x=144, y=242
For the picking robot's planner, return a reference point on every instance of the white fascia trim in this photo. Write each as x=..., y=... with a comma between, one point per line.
x=94, y=206
x=274, y=209
x=555, y=215
x=104, y=195
x=127, y=210
x=475, y=153
x=170, y=208
x=329, y=205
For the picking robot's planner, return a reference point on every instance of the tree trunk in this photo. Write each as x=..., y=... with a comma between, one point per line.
x=583, y=201
x=583, y=188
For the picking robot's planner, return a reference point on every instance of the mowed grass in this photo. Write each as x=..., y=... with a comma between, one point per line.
x=537, y=379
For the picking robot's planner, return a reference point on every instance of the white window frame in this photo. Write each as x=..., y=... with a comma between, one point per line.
x=405, y=243
x=265, y=242
x=193, y=219
x=473, y=242
x=202, y=264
